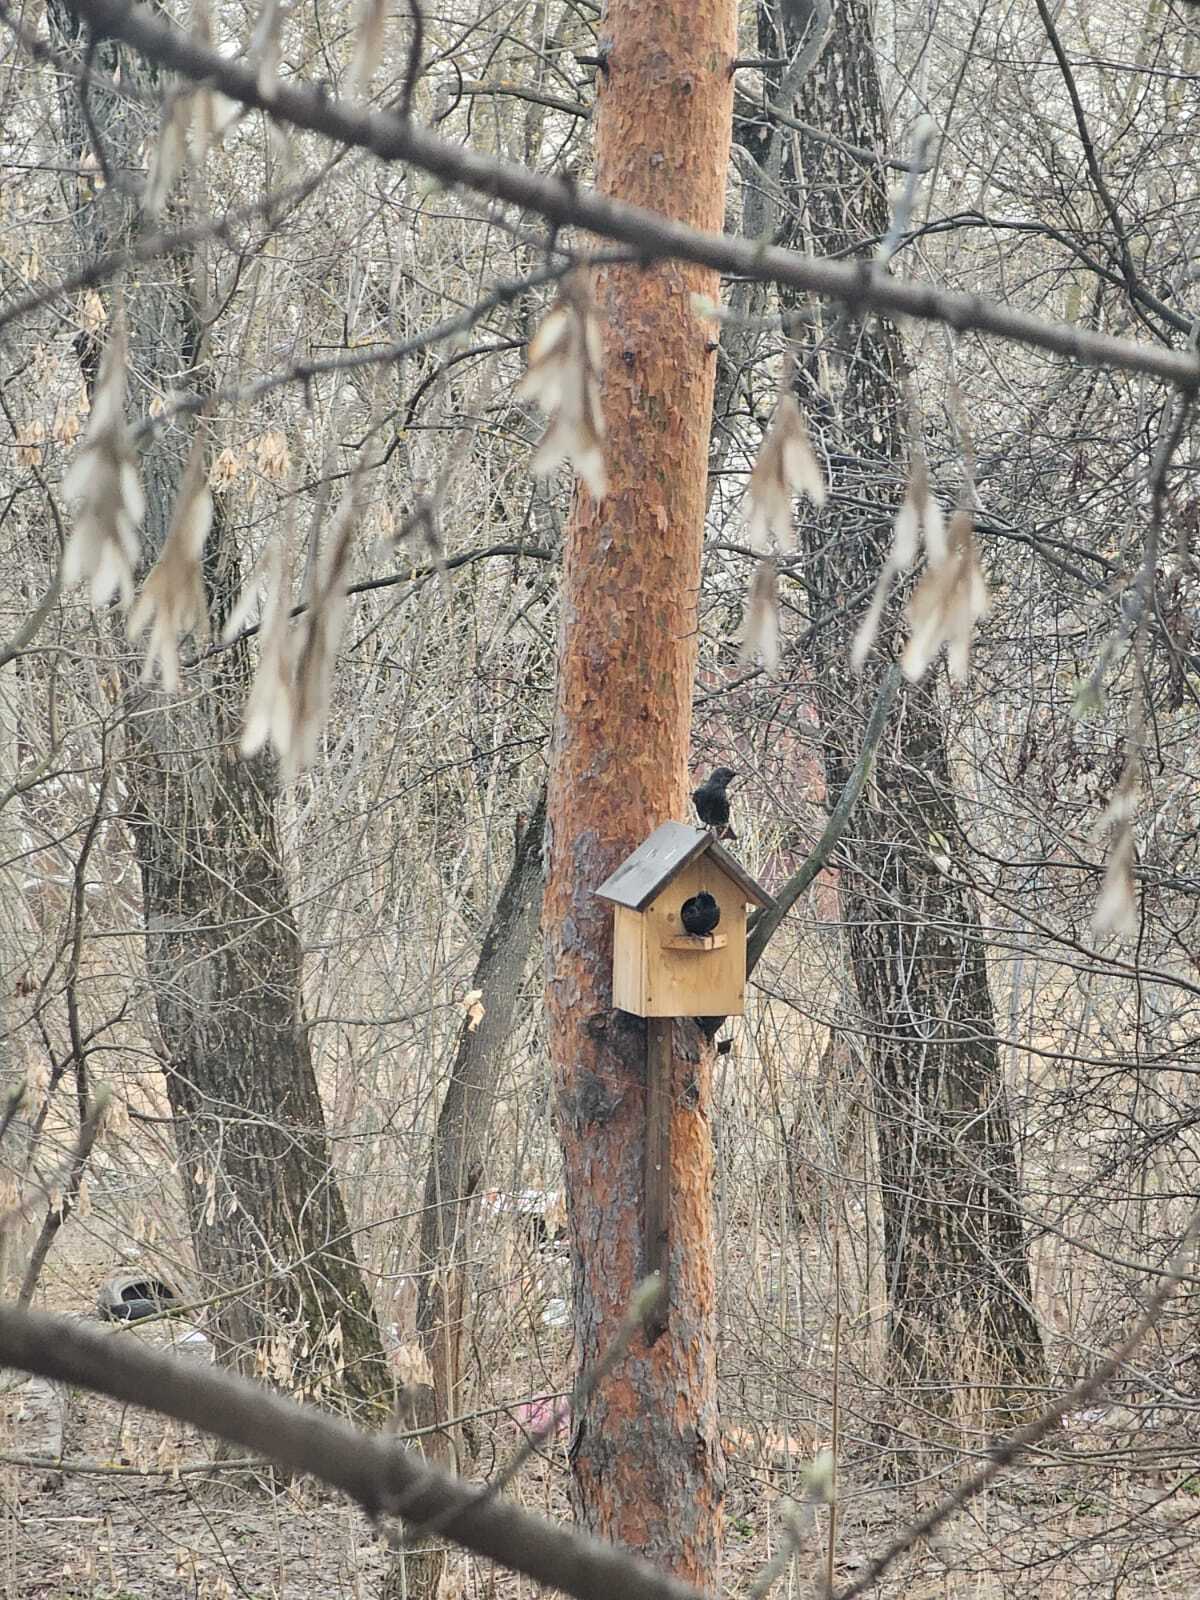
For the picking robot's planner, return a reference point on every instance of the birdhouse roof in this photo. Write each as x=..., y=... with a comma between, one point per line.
x=663, y=856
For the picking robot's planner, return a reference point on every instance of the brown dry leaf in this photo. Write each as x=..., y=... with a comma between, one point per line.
x=786, y=466
x=103, y=480
x=563, y=376
x=321, y=630
x=289, y=698
x=172, y=600
x=31, y=443
x=282, y=1361
x=760, y=629
x=116, y=1122
x=92, y=315
x=473, y=1006
x=271, y=452
x=68, y=423
x=410, y=1364
x=225, y=468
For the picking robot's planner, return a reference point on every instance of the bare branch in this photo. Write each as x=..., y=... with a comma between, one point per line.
x=372, y=1468
x=766, y=923
x=564, y=204
x=1006, y=1452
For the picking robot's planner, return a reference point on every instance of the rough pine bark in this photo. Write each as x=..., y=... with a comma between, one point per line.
x=963, y=1337
x=645, y=1454
x=267, y=1219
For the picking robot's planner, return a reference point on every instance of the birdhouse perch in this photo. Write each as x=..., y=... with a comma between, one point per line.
x=680, y=877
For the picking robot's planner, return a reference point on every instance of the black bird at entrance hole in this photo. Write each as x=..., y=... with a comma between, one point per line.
x=712, y=802
x=700, y=914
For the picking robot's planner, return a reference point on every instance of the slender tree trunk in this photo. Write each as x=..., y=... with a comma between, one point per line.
x=18, y=938
x=456, y=1161
x=456, y=1165
x=646, y=1453
x=267, y=1218
x=963, y=1334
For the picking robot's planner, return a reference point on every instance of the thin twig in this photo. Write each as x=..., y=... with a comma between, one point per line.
x=104, y=1469
x=1007, y=1451
x=371, y=1468
x=646, y=1297
x=766, y=922
x=70, y=1177
x=835, y=1424
x=566, y=204
x=416, y=49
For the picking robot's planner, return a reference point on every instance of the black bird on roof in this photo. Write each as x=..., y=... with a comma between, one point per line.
x=712, y=802
x=700, y=914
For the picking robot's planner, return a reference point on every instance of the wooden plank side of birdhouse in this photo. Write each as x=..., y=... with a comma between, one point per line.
x=694, y=982
x=629, y=960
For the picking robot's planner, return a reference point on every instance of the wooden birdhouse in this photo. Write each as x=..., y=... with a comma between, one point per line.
x=659, y=968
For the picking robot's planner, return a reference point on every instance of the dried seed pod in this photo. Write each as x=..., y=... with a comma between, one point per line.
x=1116, y=906
x=103, y=481
x=760, y=629
x=919, y=517
x=563, y=376
x=786, y=466
x=172, y=600
x=269, y=713
x=950, y=599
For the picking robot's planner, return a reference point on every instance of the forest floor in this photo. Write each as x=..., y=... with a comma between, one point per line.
x=1099, y=1518
x=1109, y=1507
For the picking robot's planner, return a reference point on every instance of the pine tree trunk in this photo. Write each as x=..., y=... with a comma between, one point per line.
x=267, y=1219
x=646, y=1454
x=964, y=1340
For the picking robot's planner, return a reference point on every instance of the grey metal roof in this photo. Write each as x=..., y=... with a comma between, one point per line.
x=663, y=856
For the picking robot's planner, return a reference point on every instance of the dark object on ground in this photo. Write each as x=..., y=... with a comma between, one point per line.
x=129, y=1296
x=712, y=802
x=700, y=914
